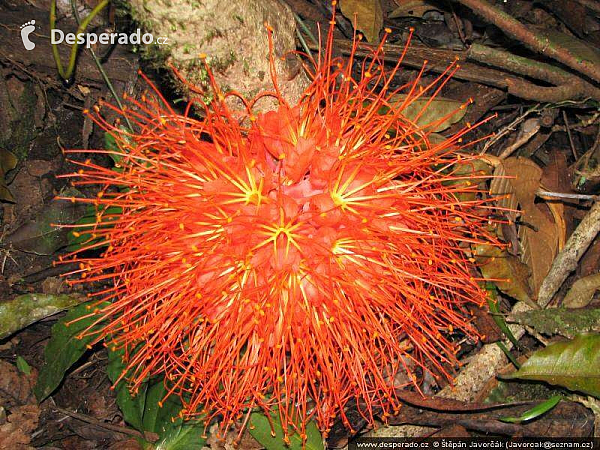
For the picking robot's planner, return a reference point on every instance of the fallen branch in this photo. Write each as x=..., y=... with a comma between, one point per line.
x=566, y=261
x=540, y=44
x=573, y=88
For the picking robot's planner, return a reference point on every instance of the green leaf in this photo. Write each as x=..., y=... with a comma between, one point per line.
x=534, y=412
x=572, y=364
x=23, y=366
x=181, y=436
x=79, y=238
x=110, y=143
x=260, y=429
x=143, y=411
x=65, y=348
x=131, y=407
x=499, y=319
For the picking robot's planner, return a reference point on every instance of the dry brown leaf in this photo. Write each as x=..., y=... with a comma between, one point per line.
x=582, y=292
x=15, y=387
x=555, y=178
x=538, y=234
x=129, y=444
x=12, y=437
x=17, y=397
x=367, y=16
x=412, y=8
x=499, y=265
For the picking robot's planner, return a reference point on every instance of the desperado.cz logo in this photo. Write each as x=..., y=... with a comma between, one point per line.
x=58, y=37
x=26, y=29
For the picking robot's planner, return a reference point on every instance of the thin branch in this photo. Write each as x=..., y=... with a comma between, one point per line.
x=565, y=195
x=541, y=44
x=99, y=423
x=566, y=261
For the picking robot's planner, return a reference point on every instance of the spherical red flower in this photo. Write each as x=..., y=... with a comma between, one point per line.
x=297, y=259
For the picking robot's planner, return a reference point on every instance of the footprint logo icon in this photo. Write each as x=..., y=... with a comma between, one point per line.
x=26, y=29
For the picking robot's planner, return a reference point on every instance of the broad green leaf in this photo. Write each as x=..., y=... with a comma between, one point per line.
x=181, y=435
x=78, y=238
x=66, y=346
x=574, y=364
x=175, y=434
x=534, y=412
x=8, y=161
x=260, y=429
x=132, y=407
x=23, y=366
x=143, y=411
x=367, y=16
x=110, y=143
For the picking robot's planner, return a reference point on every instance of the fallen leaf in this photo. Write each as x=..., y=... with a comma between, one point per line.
x=582, y=292
x=538, y=234
x=21, y=406
x=26, y=309
x=367, y=15
x=578, y=48
x=572, y=364
x=433, y=114
x=412, y=8
x=505, y=271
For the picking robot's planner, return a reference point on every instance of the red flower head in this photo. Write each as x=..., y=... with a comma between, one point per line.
x=295, y=260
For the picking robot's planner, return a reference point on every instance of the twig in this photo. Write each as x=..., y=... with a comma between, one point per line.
x=571, y=144
x=101, y=69
x=568, y=86
x=440, y=59
x=591, y=4
x=579, y=125
x=542, y=193
x=470, y=381
x=509, y=128
x=529, y=128
x=99, y=423
x=566, y=261
x=515, y=29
